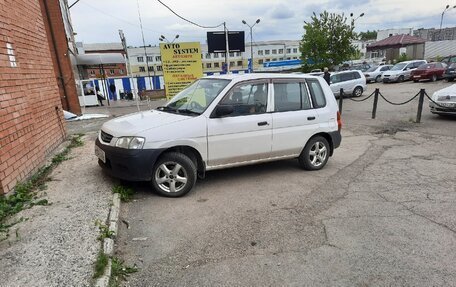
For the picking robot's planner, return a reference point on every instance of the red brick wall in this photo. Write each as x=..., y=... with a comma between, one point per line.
x=31, y=119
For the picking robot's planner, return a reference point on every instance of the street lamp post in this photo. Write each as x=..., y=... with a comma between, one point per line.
x=251, y=41
x=163, y=38
x=441, y=19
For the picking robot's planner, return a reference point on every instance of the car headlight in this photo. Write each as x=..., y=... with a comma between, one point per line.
x=130, y=142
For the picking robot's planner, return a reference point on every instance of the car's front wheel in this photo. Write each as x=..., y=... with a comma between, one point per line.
x=357, y=92
x=378, y=79
x=315, y=154
x=174, y=175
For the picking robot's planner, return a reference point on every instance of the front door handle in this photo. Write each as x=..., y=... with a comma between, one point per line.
x=310, y=118
x=263, y=123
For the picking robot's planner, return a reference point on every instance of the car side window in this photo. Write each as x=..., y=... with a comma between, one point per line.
x=384, y=69
x=335, y=79
x=346, y=77
x=318, y=96
x=291, y=96
x=247, y=99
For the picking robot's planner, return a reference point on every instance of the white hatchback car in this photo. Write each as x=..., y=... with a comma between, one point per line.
x=219, y=122
x=353, y=83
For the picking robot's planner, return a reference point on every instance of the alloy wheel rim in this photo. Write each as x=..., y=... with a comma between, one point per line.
x=358, y=92
x=171, y=177
x=317, y=154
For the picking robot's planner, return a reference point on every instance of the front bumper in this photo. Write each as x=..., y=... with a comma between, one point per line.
x=389, y=79
x=450, y=110
x=128, y=164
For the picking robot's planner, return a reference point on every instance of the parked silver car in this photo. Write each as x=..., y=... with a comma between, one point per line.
x=353, y=83
x=401, y=71
x=375, y=73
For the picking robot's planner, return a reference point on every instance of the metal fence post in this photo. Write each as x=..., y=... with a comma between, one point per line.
x=341, y=99
x=374, y=108
x=420, y=106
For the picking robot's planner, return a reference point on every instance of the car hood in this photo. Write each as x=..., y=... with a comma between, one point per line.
x=133, y=124
x=447, y=94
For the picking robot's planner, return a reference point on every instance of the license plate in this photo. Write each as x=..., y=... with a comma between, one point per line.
x=100, y=154
x=417, y=76
x=448, y=105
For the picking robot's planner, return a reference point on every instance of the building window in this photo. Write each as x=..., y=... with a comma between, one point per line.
x=260, y=52
x=260, y=61
x=288, y=58
x=239, y=63
x=151, y=68
x=231, y=54
x=92, y=72
x=280, y=51
x=280, y=59
x=150, y=58
x=142, y=69
x=238, y=54
x=274, y=51
x=222, y=55
x=231, y=64
x=159, y=68
x=216, y=55
x=158, y=58
x=11, y=55
x=267, y=52
x=295, y=58
x=111, y=72
x=288, y=50
x=216, y=65
x=208, y=56
x=121, y=71
x=140, y=59
x=268, y=60
x=208, y=65
x=295, y=50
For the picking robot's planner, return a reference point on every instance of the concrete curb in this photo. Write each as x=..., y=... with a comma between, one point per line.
x=108, y=243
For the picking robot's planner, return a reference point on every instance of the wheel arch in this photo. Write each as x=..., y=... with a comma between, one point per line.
x=192, y=153
x=327, y=137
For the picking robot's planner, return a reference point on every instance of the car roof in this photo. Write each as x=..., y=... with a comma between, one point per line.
x=411, y=61
x=258, y=76
x=347, y=71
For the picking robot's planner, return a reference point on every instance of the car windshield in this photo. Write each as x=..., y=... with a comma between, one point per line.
x=372, y=69
x=398, y=67
x=195, y=98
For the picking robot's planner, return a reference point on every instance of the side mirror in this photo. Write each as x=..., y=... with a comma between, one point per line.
x=223, y=110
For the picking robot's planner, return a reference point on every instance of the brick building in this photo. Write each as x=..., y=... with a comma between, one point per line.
x=36, y=81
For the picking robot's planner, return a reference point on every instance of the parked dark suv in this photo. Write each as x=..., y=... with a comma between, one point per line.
x=450, y=72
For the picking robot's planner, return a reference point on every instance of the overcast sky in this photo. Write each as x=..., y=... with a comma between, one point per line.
x=97, y=21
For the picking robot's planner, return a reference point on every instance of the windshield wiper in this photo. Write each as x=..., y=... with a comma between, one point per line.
x=188, y=112
x=166, y=109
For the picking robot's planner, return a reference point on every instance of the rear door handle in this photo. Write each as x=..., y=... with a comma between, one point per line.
x=263, y=123
x=310, y=118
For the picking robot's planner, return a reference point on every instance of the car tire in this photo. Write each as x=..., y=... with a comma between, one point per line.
x=434, y=78
x=378, y=79
x=400, y=79
x=174, y=175
x=357, y=92
x=315, y=154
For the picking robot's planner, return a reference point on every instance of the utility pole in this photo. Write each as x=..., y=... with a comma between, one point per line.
x=124, y=45
x=227, y=49
x=251, y=41
x=144, y=45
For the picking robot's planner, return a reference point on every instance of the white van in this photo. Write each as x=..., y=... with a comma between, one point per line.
x=219, y=122
x=353, y=83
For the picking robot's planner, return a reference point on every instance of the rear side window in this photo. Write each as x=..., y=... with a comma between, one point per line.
x=356, y=76
x=384, y=68
x=291, y=96
x=318, y=96
x=346, y=77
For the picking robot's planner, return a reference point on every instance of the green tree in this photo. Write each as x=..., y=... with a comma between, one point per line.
x=368, y=35
x=327, y=41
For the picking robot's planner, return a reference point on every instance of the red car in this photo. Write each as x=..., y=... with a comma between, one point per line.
x=430, y=71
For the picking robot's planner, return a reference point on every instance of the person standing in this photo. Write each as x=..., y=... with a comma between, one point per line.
x=327, y=76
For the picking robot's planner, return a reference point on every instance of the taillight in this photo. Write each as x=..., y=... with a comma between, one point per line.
x=339, y=121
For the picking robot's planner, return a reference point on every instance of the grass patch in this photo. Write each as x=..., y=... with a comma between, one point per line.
x=100, y=264
x=25, y=194
x=120, y=272
x=104, y=231
x=125, y=193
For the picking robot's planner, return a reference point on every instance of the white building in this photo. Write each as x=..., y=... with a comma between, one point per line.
x=267, y=51
x=383, y=34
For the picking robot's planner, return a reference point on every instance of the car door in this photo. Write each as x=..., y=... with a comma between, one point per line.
x=407, y=71
x=245, y=134
x=348, y=82
x=293, y=119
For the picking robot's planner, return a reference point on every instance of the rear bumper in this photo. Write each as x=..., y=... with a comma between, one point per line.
x=336, y=139
x=127, y=164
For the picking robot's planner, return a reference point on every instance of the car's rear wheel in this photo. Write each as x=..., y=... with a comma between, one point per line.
x=315, y=154
x=357, y=92
x=434, y=78
x=174, y=175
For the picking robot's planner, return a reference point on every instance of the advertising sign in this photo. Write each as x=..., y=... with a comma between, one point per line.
x=181, y=65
